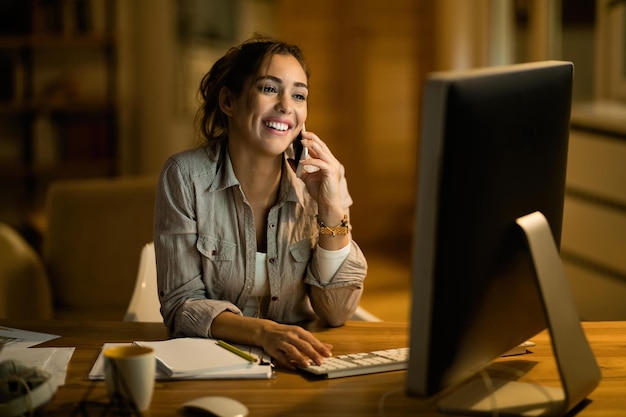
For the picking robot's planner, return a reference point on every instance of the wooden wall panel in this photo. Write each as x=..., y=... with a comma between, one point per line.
x=368, y=61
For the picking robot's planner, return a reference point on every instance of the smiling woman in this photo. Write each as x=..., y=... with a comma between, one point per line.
x=271, y=114
x=242, y=245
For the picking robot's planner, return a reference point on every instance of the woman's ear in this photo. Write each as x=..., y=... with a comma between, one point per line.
x=226, y=101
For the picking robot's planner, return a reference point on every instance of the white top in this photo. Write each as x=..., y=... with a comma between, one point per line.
x=258, y=301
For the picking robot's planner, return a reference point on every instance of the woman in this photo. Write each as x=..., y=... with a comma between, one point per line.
x=245, y=249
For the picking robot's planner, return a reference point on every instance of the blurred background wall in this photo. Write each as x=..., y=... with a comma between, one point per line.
x=368, y=59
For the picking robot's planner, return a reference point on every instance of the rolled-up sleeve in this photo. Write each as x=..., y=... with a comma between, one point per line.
x=336, y=301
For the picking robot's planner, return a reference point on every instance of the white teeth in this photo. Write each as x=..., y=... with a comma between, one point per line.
x=277, y=125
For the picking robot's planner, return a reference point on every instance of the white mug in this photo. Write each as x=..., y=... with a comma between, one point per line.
x=129, y=373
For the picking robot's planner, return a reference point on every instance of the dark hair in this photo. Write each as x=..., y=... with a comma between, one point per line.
x=231, y=71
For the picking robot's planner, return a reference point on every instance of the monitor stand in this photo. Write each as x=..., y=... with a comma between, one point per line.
x=578, y=369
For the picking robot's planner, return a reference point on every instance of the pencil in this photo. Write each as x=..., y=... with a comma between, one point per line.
x=237, y=351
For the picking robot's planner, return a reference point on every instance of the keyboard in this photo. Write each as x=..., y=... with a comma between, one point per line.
x=361, y=363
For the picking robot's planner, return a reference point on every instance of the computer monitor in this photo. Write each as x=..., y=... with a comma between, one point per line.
x=493, y=155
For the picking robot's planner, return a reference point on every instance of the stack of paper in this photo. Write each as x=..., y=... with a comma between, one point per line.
x=18, y=345
x=196, y=358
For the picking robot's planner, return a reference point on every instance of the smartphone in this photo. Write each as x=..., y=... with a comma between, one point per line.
x=300, y=152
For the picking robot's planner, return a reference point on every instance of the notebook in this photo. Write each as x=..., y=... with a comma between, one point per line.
x=196, y=358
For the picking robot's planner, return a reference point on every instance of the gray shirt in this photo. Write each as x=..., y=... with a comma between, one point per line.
x=205, y=244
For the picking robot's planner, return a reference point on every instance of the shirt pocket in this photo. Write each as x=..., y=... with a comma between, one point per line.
x=300, y=254
x=218, y=261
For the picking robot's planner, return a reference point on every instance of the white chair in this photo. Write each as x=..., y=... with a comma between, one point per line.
x=362, y=314
x=145, y=306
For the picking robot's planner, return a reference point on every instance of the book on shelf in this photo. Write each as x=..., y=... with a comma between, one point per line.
x=84, y=138
x=197, y=358
x=68, y=17
x=6, y=78
x=45, y=142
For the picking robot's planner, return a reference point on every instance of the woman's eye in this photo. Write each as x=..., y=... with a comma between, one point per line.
x=269, y=89
x=299, y=97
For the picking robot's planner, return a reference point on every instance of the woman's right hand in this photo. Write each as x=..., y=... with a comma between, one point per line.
x=292, y=346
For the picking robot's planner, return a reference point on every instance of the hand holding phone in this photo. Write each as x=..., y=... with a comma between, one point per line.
x=300, y=152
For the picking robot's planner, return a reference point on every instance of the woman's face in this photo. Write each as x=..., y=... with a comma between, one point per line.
x=272, y=108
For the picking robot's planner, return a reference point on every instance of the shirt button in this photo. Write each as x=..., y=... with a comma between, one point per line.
x=272, y=225
x=272, y=260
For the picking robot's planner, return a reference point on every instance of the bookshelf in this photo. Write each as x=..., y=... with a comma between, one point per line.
x=58, y=101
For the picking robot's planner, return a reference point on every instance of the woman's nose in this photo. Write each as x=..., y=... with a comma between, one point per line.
x=283, y=105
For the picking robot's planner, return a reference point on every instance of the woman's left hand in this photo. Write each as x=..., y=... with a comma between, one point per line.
x=322, y=173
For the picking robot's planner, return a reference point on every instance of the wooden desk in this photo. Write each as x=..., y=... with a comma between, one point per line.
x=292, y=394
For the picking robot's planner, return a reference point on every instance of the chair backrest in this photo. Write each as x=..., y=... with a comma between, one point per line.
x=95, y=229
x=362, y=314
x=24, y=287
x=144, y=305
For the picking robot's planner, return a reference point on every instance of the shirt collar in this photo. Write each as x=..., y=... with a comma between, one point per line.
x=291, y=187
